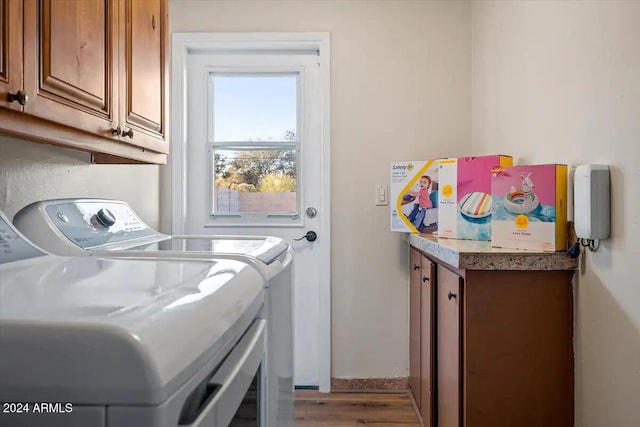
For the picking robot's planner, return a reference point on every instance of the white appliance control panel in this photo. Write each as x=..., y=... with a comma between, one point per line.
x=90, y=224
x=12, y=246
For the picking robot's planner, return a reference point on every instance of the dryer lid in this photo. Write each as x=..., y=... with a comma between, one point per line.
x=101, y=331
x=69, y=226
x=264, y=249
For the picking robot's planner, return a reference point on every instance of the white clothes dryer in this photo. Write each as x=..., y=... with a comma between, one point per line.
x=97, y=342
x=110, y=228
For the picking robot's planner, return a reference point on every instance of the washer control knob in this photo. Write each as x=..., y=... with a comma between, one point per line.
x=105, y=217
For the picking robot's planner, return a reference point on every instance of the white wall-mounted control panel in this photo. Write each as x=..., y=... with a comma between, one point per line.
x=592, y=201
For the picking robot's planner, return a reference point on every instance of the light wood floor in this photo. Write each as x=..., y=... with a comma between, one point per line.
x=354, y=409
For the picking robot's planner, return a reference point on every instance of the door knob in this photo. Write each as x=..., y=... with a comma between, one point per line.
x=425, y=279
x=311, y=236
x=128, y=133
x=117, y=131
x=416, y=267
x=452, y=295
x=19, y=96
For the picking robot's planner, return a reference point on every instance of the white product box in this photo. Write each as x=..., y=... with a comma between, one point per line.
x=414, y=196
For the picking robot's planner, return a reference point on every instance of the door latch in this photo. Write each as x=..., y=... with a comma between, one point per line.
x=311, y=236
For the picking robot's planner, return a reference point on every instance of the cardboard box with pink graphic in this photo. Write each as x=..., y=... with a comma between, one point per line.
x=465, y=196
x=530, y=207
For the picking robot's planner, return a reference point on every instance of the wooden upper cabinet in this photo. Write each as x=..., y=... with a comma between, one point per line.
x=87, y=74
x=143, y=73
x=71, y=63
x=11, y=54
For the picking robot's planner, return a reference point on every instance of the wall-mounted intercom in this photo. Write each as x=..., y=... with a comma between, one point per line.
x=592, y=204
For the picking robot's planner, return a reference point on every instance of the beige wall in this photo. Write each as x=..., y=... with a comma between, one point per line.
x=31, y=171
x=560, y=82
x=400, y=90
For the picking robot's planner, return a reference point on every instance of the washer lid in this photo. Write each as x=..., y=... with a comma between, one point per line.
x=265, y=249
x=100, y=331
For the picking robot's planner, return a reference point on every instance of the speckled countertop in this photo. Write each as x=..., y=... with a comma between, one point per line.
x=476, y=255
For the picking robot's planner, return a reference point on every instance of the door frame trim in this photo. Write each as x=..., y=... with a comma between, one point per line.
x=181, y=46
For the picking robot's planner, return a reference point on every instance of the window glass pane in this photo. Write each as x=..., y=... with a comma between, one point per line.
x=259, y=181
x=254, y=107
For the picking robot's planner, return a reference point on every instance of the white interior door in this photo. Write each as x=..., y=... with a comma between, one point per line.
x=255, y=164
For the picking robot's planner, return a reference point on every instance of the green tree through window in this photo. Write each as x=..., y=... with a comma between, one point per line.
x=257, y=170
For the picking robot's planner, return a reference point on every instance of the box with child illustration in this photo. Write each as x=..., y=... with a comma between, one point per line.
x=414, y=196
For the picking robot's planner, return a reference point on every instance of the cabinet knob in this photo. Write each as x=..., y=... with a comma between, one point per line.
x=452, y=295
x=19, y=96
x=117, y=131
x=128, y=133
x=416, y=267
x=425, y=279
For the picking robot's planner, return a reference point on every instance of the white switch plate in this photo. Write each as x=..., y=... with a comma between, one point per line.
x=381, y=195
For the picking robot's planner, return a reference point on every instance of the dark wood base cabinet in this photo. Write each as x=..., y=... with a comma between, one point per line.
x=499, y=346
x=422, y=332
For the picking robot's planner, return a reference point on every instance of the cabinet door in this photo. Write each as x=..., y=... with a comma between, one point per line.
x=143, y=73
x=10, y=52
x=71, y=62
x=415, y=287
x=449, y=348
x=427, y=325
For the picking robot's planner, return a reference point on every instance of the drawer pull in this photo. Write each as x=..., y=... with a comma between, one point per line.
x=19, y=96
x=128, y=133
x=416, y=267
x=425, y=279
x=452, y=295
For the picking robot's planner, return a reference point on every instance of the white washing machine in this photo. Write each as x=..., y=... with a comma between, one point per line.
x=110, y=228
x=93, y=342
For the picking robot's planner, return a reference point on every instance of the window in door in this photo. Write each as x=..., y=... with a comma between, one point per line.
x=253, y=133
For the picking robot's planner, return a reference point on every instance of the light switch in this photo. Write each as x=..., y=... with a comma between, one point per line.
x=381, y=195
